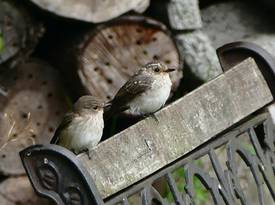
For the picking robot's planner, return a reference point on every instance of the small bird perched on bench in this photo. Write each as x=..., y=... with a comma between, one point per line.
x=82, y=128
x=144, y=93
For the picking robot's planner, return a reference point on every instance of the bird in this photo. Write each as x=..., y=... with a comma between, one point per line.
x=81, y=129
x=144, y=93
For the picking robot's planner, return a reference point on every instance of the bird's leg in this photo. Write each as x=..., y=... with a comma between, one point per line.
x=151, y=115
x=74, y=151
x=155, y=117
x=88, y=153
x=86, y=150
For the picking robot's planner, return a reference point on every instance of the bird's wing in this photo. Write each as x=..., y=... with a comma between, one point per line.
x=136, y=85
x=65, y=123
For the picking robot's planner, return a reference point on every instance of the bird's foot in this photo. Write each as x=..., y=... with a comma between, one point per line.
x=87, y=152
x=152, y=115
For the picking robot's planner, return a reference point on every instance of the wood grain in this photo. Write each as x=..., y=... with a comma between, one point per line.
x=190, y=121
x=112, y=53
x=18, y=190
x=31, y=107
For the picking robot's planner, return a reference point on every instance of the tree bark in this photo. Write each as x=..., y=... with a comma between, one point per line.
x=92, y=10
x=184, y=14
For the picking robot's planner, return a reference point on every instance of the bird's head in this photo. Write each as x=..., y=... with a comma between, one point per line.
x=89, y=104
x=156, y=68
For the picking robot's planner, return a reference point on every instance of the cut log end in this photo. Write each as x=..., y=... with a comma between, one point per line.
x=111, y=54
x=18, y=190
x=30, y=111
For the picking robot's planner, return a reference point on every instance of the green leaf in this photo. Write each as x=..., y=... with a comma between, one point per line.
x=1, y=43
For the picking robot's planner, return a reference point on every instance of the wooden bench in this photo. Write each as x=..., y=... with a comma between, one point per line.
x=222, y=112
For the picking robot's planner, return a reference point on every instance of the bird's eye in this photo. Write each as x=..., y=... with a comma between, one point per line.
x=157, y=70
x=95, y=107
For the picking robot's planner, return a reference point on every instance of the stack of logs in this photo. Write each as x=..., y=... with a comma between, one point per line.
x=52, y=52
x=97, y=60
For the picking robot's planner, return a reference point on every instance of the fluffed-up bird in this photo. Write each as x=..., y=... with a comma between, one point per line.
x=82, y=128
x=144, y=93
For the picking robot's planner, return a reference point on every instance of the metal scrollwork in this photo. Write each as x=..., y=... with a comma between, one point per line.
x=55, y=173
x=48, y=177
x=73, y=196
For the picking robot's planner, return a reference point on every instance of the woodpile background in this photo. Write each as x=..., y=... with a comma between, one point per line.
x=52, y=52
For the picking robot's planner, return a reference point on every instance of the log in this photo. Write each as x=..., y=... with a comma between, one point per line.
x=94, y=11
x=32, y=104
x=18, y=190
x=234, y=21
x=148, y=146
x=200, y=55
x=184, y=14
x=19, y=33
x=110, y=54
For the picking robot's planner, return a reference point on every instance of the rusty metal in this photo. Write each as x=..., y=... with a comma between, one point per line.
x=56, y=173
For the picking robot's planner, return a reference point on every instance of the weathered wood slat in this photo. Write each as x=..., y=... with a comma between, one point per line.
x=187, y=123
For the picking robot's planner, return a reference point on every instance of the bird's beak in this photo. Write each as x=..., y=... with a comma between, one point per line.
x=169, y=70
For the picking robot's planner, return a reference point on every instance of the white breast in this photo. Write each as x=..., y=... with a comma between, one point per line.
x=153, y=99
x=83, y=132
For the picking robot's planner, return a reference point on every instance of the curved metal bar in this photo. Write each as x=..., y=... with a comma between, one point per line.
x=55, y=173
x=233, y=53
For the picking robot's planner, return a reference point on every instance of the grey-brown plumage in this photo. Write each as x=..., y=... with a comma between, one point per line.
x=81, y=129
x=144, y=93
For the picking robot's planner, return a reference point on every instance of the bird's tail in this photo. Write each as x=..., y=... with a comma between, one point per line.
x=109, y=111
x=54, y=139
